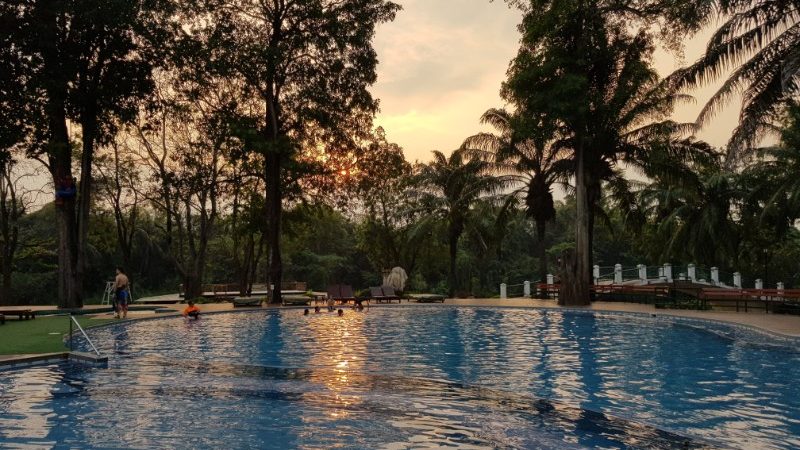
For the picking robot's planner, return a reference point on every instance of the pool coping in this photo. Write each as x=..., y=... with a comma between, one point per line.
x=21, y=362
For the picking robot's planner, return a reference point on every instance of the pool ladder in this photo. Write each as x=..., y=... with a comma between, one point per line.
x=74, y=320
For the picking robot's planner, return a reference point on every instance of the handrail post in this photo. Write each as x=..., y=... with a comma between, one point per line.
x=84, y=334
x=70, y=331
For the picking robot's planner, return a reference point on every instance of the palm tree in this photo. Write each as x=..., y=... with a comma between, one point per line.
x=775, y=174
x=691, y=208
x=591, y=78
x=757, y=49
x=452, y=186
x=524, y=155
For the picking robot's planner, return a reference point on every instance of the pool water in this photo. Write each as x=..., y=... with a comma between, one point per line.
x=411, y=377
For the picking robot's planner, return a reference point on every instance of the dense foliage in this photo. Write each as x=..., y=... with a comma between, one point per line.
x=232, y=142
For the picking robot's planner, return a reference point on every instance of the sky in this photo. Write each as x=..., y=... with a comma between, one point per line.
x=442, y=62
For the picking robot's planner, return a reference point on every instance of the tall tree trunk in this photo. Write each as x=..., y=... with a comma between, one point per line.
x=61, y=167
x=192, y=288
x=5, y=290
x=453, y=240
x=578, y=293
x=541, y=249
x=60, y=155
x=89, y=129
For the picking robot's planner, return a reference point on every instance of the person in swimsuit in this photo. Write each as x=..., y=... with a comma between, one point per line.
x=121, y=294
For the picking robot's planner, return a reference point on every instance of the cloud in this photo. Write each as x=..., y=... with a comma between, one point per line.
x=441, y=66
x=442, y=63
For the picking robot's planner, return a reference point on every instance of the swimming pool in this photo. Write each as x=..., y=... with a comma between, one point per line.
x=399, y=377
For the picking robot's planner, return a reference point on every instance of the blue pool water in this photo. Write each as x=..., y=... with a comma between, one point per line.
x=412, y=377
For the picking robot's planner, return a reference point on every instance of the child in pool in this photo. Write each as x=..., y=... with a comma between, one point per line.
x=191, y=311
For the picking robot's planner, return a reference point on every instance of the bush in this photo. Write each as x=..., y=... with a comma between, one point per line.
x=34, y=288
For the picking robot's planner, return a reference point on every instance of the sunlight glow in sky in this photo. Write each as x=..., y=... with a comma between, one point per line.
x=442, y=63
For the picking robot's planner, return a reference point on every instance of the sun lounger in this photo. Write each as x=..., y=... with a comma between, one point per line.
x=427, y=298
x=21, y=313
x=341, y=293
x=347, y=294
x=383, y=294
x=247, y=301
x=389, y=294
x=295, y=299
x=376, y=293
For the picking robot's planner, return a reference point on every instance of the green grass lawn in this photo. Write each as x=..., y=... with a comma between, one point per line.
x=41, y=335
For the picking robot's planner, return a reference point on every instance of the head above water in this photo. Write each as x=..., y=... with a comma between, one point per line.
x=305, y=313
x=341, y=313
x=316, y=309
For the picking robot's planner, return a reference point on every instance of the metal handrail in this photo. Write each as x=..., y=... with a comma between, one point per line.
x=73, y=319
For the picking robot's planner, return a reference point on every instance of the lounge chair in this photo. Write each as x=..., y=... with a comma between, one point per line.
x=334, y=291
x=427, y=298
x=389, y=294
x=21, y=313
x=347, y=294
x=341, y=293
x=247, y=301
x=295, y=299
x=376, y=293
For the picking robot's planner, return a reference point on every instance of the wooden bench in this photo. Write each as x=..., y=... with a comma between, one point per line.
x=21, y=313
x=782, y=300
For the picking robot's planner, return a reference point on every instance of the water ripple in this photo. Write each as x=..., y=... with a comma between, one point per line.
x=406, y=377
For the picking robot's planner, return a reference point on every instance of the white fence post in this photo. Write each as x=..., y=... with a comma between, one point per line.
x=526, y=289
x=596, y=273
x=737, y=280
x=668, y=272
x=503, y=291
x=617, y=273
x=642, y=273
x=715, y=276
x=692, y=269
x=550, y=278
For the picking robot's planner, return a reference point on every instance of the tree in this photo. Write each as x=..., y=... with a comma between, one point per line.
x=525, y=154
x=378, y=189
x=691, y=209
x=118, y=184
x=453, y=185
x=245, y=225
x=89, y=62
x=15, y=201
x=583, y=69
x=308, y=65
x=187, y=141
x=756, y=51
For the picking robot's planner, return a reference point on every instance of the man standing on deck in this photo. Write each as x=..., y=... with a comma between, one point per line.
x=121, y=294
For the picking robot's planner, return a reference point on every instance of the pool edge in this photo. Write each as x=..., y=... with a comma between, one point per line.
x=23, y=361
